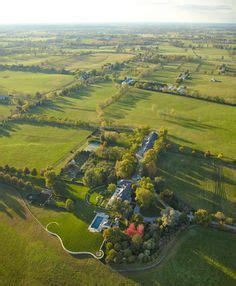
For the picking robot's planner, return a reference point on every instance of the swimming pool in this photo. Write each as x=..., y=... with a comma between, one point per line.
x=97, y=222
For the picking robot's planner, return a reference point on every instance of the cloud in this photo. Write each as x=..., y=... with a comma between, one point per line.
x=197, y=8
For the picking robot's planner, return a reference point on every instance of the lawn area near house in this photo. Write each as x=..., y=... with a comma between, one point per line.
x=30, y=256
x=37, y=145
x=201, y=182
x=191, y=122
x=27, y=83
x=73, y=227
x=200, y=256
x=81, y=106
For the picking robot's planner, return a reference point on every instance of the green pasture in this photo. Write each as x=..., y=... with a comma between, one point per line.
x=201, y=182
x=200, y=256
x=90, y=61
x=224, y=87
x=37, y=145
x=73, y=227
x=196, y=123
x=5, y=110
x=30, y=83
x=81, y=106
x=30, y=256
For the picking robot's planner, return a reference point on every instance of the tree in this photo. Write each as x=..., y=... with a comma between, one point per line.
x=145, y=197
x=50, y=179
x=170, y=217
x=34, y=172
x=121, y=208
x=111, y=188
x=126, y=167
x=26, y=171
x=202, y=217
x=220, y=217
x=70, y=205
x=94, y=177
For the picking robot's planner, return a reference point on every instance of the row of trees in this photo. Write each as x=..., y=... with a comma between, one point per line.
x=34, y=69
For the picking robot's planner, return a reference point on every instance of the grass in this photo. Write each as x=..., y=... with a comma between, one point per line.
x=30, y=83
x=91, y=61
x=37, y=145
x=73, y=227
x=201, y=256
x=224, y=87
x=201, y=183
x=5, y=110
x=195, y=123
x=29, y=256
x=81, y=106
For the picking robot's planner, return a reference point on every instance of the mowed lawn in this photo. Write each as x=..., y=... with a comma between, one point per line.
x=200, y=256
x=201, y=182
x=196, y=123
x=81, y=106
x=30, y=256
x=37, y=145
x=73, y=227
x=30, y=83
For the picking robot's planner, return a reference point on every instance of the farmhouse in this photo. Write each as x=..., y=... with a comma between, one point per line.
x=123, y=192
x=147, y=144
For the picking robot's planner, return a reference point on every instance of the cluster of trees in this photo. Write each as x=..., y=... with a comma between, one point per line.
x=203, y=217
x=98, y=172
x=139, y=241
x=17, y=183
x=126, y=166
x=34, y=69
x=145, y=193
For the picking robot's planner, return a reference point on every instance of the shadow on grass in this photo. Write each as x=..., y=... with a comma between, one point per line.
x=9, y=203
x=198, y=181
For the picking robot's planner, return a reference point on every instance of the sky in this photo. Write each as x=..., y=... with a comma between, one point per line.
x=103, y=11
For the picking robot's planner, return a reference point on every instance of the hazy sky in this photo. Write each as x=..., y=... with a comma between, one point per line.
x=76, y=11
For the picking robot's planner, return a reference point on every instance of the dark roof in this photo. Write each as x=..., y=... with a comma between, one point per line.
x=147, y=143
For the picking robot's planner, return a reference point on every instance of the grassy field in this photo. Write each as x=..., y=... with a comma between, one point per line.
x=199, y=257
x=201, y=183
x=5, y=110
x=73, y=227
x=194, y=260
x=81, y=106
x=90, y=61
x=190, y=122
x=30, y=83
x=37, y=145
x=29, y=256
x=224, y=87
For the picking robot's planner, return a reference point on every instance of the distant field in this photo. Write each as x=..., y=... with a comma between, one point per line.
x=224, y=87
x=201, y=256
x=200, y=183
x=29, y=256
x=37, y=145
x=73, y=227
x=91, y=61
x=30, y=83
x=196, y=123
x=81, y=106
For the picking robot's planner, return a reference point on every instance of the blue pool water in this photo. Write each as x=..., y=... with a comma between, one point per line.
x=97, y=222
